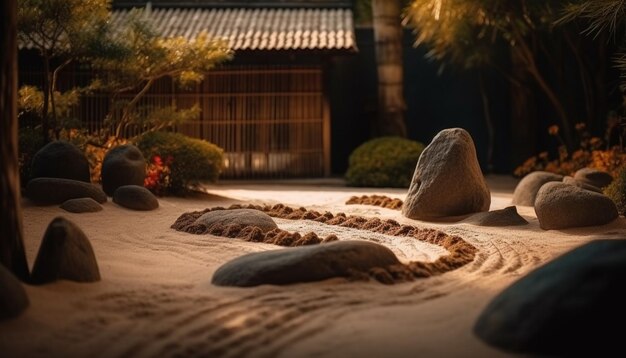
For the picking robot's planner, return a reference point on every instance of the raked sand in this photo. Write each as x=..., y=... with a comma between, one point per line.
x=155, y=298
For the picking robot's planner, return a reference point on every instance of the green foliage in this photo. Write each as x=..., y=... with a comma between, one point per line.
x=384, y=162
x=191, y=160
x=617, y=191
x=29, y=142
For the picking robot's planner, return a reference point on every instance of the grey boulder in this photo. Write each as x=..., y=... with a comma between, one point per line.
x=597, y=178
x=13, y=298
x=562, y=206
x=60, y=159
x=571, y=181
x=81, y=205
x=447, y=180
x=122, y=165
x=503, y=217
x=304, y=264
x=65, y=254
x=57, y=191
x=572, y=306
x=135, y=197
x=243, y=217
x=526, y=191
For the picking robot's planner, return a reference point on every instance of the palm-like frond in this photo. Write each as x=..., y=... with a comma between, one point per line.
x=603, y=15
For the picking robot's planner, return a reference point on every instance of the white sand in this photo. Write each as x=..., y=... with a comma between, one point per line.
x=155, y=297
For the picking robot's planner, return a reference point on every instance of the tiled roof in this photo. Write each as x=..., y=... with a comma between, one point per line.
x=257, y=28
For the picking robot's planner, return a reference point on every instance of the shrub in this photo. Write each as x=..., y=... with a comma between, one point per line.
x=384, y=162
x=617, y=191
x=192, y=160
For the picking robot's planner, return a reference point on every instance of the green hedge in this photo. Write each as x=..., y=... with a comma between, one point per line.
x=617, y=191
x=193, y=159
x=384, y=162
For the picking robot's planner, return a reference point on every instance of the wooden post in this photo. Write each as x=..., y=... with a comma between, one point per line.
x=12, y=254
x=326, y=121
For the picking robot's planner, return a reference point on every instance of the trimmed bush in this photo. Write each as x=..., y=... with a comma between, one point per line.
x=29, y=142
x=384, y=162
x=617, y=191
x=190, y=160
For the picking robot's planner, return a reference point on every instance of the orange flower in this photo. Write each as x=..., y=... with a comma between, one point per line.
x=553, y=129
x=580, y=126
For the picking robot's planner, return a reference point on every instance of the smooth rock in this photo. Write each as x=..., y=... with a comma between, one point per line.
x=243, y=217
x=57, y=191
x=135, y=197
x=123, y=165
x=60, y=159
x=597, y=178
x=304, y=264
x=562, y=206
x=526, y=191
x=503, y=217
x=571, y=181
x=572, y=306
x=13, y=298
x=65, y=254
x=447, y=180
x=81, y=205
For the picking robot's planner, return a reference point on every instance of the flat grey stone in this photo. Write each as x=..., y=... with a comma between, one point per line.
x=123, y=165
x=81, y=205
x=243, y=217
x=503, y=217
x=304, y=264
x=135, y=197
x=572, y=306
x=65, y=254
x=13, y=298
x=562, y=206
x=526, y=191
x=447, y=180
x=56, y=191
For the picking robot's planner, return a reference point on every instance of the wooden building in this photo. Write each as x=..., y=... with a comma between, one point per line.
x=269, y=108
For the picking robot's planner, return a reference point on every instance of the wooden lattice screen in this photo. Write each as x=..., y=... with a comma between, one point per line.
x=272, y=122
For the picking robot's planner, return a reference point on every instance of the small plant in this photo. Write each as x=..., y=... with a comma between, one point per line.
x=589, y=154
x=384, y=162
x=617, y=191
x=158, y=175
x=194, y=160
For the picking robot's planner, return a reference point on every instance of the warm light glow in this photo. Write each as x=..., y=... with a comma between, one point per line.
x=437, y=11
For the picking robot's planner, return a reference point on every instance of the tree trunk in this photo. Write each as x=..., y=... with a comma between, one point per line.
x=12, y=254
x=388, y=38
x=491, y=133
x=523, y=112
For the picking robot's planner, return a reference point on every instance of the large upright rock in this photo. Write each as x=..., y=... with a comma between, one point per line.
x=122, y=165
x=572, y=306
x=562, y=206
x=447, y=180
x=526, y=191
x=61, y=159
x=13, y=298
x=65, y=254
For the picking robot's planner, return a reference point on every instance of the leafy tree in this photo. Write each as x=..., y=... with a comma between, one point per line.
x=12, y=254
x=61, y=30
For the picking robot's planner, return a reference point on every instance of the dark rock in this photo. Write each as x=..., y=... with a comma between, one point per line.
x=526, y=191
x=243, y=217
x=594, y=177
x=562, y=206
x=81, y=205
x=13, y=298
x=572, y=306
x=61, y=159
x=135, y=197
x=304, y=264
x=571, y=181
x=122, y=165
x=447, y=180
x=57, y=191
x=504, y=217
x=65, y=254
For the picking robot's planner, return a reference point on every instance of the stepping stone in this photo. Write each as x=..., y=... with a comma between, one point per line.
x=48, y=191
x=135, y=197
x=243, y=217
